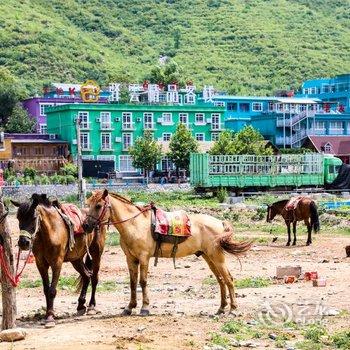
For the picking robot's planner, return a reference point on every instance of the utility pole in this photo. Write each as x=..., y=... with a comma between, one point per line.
x=81, y=194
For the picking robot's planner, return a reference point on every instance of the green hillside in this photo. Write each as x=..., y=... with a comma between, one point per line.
x=244, y=46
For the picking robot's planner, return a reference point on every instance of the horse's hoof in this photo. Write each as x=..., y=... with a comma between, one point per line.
x=220, y=312
x=308, y=243
x=49, y=322
x=294, y=243
x=126, y=312
x=92, y=311
x=144, y=312
x=288, y=244
x=81, y=312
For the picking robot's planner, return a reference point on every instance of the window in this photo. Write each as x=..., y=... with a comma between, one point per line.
x=244, y=107
x=200, y=119
x=215, y=121
x=105, y=120
x=214, y=136
x=183, y=118
x=148, y=120
x=43, y=106
x=166, y=136
x=320, y=127
x=167, y=164
x=271, y=106
x=43, y=128
x=257, y=107
x=328, y=148
x=127, y=120
x=125, y=164
x=106, y=141
x=84, y=120
x=336, y=128
x=232, y=106
x=127, y=141
x=85, y=141
x=200, y=137
x=219, y=103
x=167, y=118
x=190, y=99
x=39, y=151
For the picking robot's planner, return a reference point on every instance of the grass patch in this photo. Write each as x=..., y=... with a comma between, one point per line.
x=341, y=340
x=314, y=332
x=219, y=339
x=253, y=282
x=308, y=345
x=241, y=330
x=210, y=280
x=113, y=239
x=26, y=283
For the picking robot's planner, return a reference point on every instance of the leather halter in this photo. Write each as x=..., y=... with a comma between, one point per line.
x=107, y=205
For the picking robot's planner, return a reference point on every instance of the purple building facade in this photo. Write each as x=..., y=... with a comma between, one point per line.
x=55, y=95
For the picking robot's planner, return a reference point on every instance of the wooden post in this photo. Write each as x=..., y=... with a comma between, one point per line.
x=81, y=194
x=8, y=293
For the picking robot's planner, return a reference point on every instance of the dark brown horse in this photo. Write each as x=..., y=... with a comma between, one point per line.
x=43, y=229
x=305, y=209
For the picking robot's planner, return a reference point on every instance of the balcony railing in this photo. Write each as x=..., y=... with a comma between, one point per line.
x=280, y=140
x=86, y=147
x=336, y=131
x=106, y=127
x=106, y=148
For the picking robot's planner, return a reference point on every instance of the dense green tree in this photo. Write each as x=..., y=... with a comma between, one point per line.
x=246, y=141
x=19, y=121
x=10, y=93
x=145, y=153
x=165, y=73
x=182, y=144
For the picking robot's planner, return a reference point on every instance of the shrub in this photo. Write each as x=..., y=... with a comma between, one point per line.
x=30, y=172
x=314, y=332
x=341, y=340
x=8, y=173
x=70, y=179
x=55, y=179
x=222, y=194
x=69, y=169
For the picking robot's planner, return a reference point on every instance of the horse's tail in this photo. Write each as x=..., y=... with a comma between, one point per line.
x=229, y=245
x=315, y=223
x=79, y=281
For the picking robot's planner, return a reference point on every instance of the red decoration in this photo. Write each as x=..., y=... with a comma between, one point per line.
x=71, y=91
x=161, y=86
x=145, y=85
x=327, y=107
x=59, y=91
x=290, y=93
x=341, y=108
x=46, y=89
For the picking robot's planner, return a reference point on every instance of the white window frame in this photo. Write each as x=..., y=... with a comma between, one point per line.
x=167, y=118
x=106, y=120
x=126, y=145
x=320, y=126
x=257, y=106
x=215, y=136
x=106, y=157
x=128, y=159
x=200, y=135
x=42, y=108
x=219, y=103
x=328, y=148
x=43, y=128
x=127, y=121
x=85, y=146
x=200, y=121
x=183, y=115
x=166, y=136
x=166, y=164
x=334, y=128
x=190, y=99
x=148, y=122
x=216, y=125
x=84, y=120
x=106, y=146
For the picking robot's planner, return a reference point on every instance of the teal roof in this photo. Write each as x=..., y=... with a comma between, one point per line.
x=249, y=98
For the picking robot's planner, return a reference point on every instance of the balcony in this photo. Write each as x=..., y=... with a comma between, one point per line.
x=336, y=131
x=106, y=148
x=283, y=122
x=106, y=127
x=128, y=126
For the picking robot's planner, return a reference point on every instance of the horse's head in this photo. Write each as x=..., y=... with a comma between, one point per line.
x=98, y=212
x=26, y=216
x=271, y=213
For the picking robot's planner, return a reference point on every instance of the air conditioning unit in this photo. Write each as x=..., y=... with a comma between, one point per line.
x=98, y=120
x=117, y=119
x=160, y=120
x=208, y=120
x=118, y=139
x=74, y=141
x=139, y=119
x=52, y=136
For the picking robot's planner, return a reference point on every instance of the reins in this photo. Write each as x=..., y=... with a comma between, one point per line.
x=13, y=279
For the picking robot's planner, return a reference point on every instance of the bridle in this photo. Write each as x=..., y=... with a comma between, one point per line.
x=107, y=206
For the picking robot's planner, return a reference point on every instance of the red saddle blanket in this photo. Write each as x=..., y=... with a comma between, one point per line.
x=75, y=216
x=175, y=223
x=293, y=203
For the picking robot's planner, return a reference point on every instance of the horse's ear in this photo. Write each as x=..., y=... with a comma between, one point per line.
x=35, y=197
x=15, y=203
x=105, y=194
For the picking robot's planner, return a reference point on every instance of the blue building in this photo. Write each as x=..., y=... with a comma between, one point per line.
x=321, y=108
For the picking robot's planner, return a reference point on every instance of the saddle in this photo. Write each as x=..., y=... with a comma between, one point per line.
x=169, y=227
x=73, y=218
x=293, y=203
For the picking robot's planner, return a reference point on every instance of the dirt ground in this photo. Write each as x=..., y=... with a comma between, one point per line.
x=183, y=301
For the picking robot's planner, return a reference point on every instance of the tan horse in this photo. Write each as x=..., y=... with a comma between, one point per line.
x=210, y=238
x=49, y=237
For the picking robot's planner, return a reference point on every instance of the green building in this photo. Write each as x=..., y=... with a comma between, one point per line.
x=108, y=130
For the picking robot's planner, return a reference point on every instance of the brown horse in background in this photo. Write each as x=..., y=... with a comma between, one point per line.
x=43, y=228
x=305, y=209
x=210, y=238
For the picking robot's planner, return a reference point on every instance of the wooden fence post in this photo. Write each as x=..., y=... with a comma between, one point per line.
x=8, y=292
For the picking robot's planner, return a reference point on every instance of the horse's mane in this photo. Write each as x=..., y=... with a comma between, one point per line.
x=122, y=198
x=283, y=201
